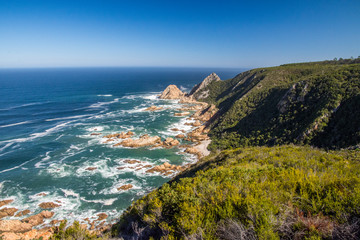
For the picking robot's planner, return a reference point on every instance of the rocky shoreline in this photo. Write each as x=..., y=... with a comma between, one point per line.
x=33, y=227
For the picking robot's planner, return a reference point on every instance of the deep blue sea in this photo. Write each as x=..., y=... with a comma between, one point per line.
x=46, y=120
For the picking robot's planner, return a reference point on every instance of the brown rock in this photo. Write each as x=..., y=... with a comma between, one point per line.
x=91, y=168
x=22, y=213
x=121, y=135
x=95, y=134
x=38, y=218
x=175, y=129
x=125, y=187
x=45, y=235
x=54, y=222
x=48, y=205
x=29, y=235
x=180, y=136
x=7, y=212
x=180, y=114
x=120, y=168
x=10, y=236
x=14, y=226
x=153, y=108
x=133, y=161
x=170, y=142
x=5, y=202
x=194, y=151
x=42, y=194
x=171, y=92
x=102, y=216
x=143, y=141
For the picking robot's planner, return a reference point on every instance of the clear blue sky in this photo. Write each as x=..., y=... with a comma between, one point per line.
x=176, y=33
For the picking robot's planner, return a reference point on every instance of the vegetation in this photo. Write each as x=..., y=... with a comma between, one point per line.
x=74, y=232
x=286, y=192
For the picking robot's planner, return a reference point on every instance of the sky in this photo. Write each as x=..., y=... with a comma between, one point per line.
x=246, y=34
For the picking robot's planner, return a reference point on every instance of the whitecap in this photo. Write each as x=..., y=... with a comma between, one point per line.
x=106, y=202
x=65, y=118
x=95, y=129
x=104, y=95
x=15, y=124
x=16, y=167
x=101, y=104
x=70, y=193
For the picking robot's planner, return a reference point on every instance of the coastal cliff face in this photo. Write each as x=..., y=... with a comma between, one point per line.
x=262, y=192
x=199, y=91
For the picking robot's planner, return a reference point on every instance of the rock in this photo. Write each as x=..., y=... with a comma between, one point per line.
x=153, y=108
x=133, y=161
x=5, y=202
x=14, y=226
x=180, y=136
x=48, y=205
x=194, y=151
x=29, y=235
x=7, y=212
x=170, y=142
x=22, y=213
x=181, y=114
x=171, y=92
x=143, y=141
x=102, y=216
x=121, y=135
x=91, y=168
x=54, y=222
x=45, y=235
x=38, y=218
x=125, y=187
x=42, y=194
x=175, y=129
x=95, y=134
x=120, y=168
x=10, y=236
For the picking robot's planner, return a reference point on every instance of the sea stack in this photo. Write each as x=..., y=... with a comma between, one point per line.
x=171, y=92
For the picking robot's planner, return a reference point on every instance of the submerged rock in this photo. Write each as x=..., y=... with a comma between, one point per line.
x=102, y=216
x=125, y=187
x=91, y=168
x=181, y=114
x=153, y=108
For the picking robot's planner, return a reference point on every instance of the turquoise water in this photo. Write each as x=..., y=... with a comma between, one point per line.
x=46, y=120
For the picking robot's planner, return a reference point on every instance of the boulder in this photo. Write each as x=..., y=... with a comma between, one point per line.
x=171, y=92
x=5, y=202
x=91, y=168
x=143, y=141
x=125, y=187
x=38, y=218
x=22, y=213
x=121, y=135
x=7, y=212
x=14, y=226
x=48, y=205
x=170, y=142
x=132, y=161
x=180, y=114
x=102, y=216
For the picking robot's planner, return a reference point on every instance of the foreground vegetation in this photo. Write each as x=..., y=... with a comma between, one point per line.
x=286, y=192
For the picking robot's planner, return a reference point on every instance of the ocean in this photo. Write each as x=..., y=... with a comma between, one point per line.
x=48, y=118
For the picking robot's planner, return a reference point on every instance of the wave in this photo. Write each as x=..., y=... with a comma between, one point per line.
x=66, y=118
x=101, y=104
x=23, y=105
x=37, y=135
x=106, y=202
x=70, y=193
x=16, y=167
x=14, y=124
x=104, y=95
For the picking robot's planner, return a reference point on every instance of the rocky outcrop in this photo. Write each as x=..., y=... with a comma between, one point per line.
x=171, y=92
x=90, y=168
x=22, y=213
x=166, y=169
x=7, y=212
x=153, y=108
x=122, y=135
x=198, y=91
x=180, y=114
x=38, y=218
x=14, y=226
x=48, y=205
x=101, y=216
x=125, y=187
x=170, y=142
x=143, y=141
x=5, y=202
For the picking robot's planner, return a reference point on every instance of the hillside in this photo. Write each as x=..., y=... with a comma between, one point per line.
x=266, y=191
x=310, y=103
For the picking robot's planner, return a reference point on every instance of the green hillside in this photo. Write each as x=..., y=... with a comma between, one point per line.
x=283, y=192
x=308, y=103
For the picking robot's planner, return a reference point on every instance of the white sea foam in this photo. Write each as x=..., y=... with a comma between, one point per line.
x=16, y=167
x=151, y=97
x=106, y=202
x=15, y=124
x=96, y=129
x=6, y=146
x=23, y=105
x=70, y=193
